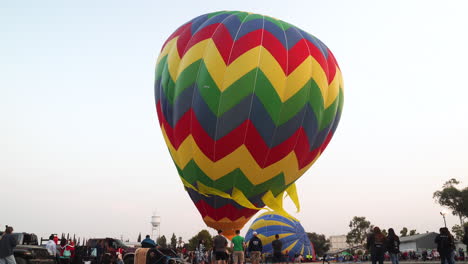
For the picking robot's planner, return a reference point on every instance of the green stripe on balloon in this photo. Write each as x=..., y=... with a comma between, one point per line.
x=242, y=88
x=331, y=112
x=192, y=173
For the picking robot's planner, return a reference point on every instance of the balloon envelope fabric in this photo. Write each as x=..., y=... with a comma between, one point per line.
x=246, y=104
x=290, y=231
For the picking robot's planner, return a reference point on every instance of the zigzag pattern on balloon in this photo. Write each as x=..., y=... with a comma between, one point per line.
x=279, y=38
x=224, y=76
x=250, y=107
x=248, y=102
x=221, y=78
x=192, y=174
x=248, y=155
x=240, y=158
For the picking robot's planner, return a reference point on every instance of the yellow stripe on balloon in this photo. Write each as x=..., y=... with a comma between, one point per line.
x=240, y=67
x=334, y=88
x=239, y=158
x=167, y=48
x=192, y=55
x=290, y=246
x=308, y=69
x=262, y=223
x=173, y=61
x=214, y=63
x=224, y=76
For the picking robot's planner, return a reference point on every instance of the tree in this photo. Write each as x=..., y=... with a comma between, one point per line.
x=173, y=241
x=321, y=244
x=404, y=232
x=139, y=237
x=413, y=232
x=384, y=232
x=458, y=231
x=162, y=242
x=202, y=235
x=453, y=198
x=358, y=233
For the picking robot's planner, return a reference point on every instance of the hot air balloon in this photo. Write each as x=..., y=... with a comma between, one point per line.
x=290, y=231
x=246, y=104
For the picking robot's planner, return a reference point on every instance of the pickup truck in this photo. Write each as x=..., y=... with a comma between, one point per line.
x=128, y=253
x=28, y=250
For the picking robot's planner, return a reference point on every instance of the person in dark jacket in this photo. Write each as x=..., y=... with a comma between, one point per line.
x=255, y=248
x=220, y=246
x=445, y=245
x=376, y=245
x=277, y=250
x=393, y=246
x=7, y=244
x=148, y=242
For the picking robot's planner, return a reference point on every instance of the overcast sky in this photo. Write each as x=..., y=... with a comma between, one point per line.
x=81, y=150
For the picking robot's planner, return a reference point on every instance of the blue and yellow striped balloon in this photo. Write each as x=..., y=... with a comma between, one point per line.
x=290, y=231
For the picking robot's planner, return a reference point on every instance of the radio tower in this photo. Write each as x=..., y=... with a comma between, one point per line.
x=155, y=226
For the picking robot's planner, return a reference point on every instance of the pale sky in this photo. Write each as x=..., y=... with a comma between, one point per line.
x=81, y=150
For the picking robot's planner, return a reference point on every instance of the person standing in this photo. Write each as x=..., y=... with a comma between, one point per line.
x=277, y=246
x=238, y=248
x=445, y=246
x=376, y=245
x=393, y=246
x=51, y=246
x=220, y=244
x=7, y=244
x=255, y=248
x=201, y=252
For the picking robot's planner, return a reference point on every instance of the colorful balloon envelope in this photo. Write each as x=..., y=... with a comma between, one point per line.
x=291, y=233
x=246, y=104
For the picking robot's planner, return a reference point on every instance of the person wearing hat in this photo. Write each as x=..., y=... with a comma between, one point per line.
x=255, y=248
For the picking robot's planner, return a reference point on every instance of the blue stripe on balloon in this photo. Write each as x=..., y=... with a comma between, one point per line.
x=217, y=128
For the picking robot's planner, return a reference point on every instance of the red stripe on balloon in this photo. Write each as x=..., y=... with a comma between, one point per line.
x=229, y=211
x=263, y=155
x=332, y=65
x=177, y=33
x=204, y=33
x=230, y=50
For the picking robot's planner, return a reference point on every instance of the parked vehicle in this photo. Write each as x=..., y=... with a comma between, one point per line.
x=28, y=250
x=114, y=245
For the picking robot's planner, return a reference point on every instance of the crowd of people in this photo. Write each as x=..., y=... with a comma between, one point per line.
x=378, y=245
x=62, y=249
x=239, y=249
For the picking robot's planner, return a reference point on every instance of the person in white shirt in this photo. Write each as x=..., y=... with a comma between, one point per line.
x=51, y=246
